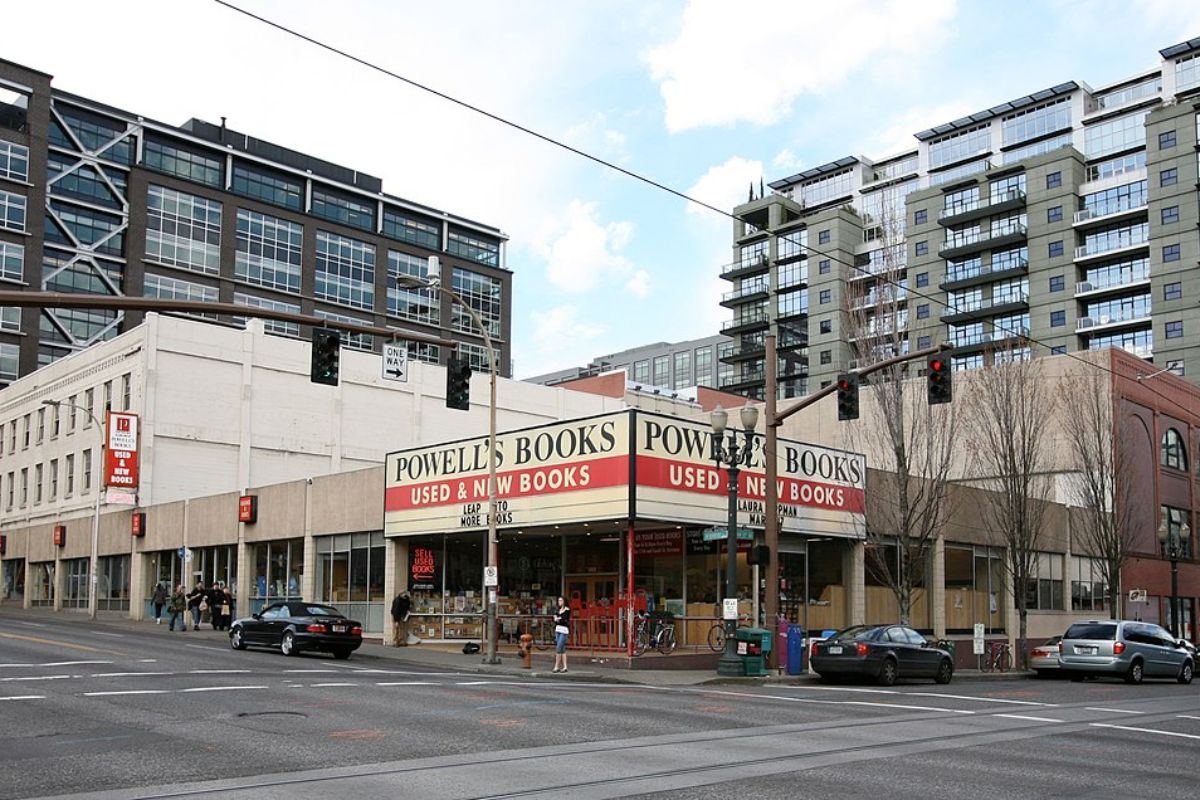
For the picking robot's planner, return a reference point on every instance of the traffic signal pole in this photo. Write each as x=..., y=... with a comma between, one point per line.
x=775, y=418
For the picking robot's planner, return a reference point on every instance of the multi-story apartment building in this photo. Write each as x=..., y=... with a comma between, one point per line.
x=670, y=366
x=95, y=199
x=1068, y=216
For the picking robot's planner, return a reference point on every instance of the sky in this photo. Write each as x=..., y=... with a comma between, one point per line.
x=705, y=97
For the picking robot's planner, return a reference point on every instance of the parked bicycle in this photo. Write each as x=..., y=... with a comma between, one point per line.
x=716, y=634
x=654, y=633
x=997, y=658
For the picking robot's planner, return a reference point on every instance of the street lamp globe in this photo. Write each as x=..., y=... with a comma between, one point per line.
x=749, y=417
x=1164, y=532
x=719, y=418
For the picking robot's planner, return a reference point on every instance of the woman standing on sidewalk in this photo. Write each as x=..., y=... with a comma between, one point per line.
x=562, y=631
x=178, y=608
x=159, y=600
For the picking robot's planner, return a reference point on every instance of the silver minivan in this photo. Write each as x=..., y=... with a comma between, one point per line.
x=1132, y=650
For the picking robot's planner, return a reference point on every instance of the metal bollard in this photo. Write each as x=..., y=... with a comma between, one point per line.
x=525, y=648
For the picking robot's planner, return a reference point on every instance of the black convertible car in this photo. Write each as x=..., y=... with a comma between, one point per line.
x=882, y=652
x=295, y=626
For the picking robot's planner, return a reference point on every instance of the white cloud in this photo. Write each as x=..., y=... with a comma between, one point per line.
x=639, y=284
x=582, y=253
x=594, y=135
x=725, y=186
x=559, y=331
x=785, y=160
x=895, y=135
x=726, y=66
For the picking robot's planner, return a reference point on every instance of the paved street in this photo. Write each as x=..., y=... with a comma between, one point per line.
x=119, y=710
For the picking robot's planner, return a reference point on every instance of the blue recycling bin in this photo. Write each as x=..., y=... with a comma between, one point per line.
x=795, y=650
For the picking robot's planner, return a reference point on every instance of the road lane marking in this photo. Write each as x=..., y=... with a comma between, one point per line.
x=847, y=689
x=1186, y=716
x=907, y=707
x=407, y=683
x=37, y=678
x=127, y=691
x=58, y=643
x=980, y=699
x=1112, y=710
x=56, y=664
x=222, y=688
x=329, y=685
x=34, y=624
x=203, y=647
x=25, y=697
x=212, y=672
x=102, y=633
x=1144, y=730
x=97, y=739
x=125, y=674
x=308, y=671
x=1027, y=718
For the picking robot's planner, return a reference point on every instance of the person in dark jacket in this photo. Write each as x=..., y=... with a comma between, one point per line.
x=194, y=599
x=159, y=599
x=401, y=607
x=178, y=609
x=562, y=630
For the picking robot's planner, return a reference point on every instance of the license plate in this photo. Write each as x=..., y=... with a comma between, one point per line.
x=339, y=628
x=1085, y=651
x=835, y=650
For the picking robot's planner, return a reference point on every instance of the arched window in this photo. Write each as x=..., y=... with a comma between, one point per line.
x=1173, y=453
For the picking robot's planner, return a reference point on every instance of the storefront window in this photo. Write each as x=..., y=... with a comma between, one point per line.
x=13, y=584
x=75, y=582
x=658, y=569
x=114, y=583
x=350, y=576
x=212, y=564
x=882, y=573
x=278, y=567
x=826, y=608
x=974, y=589
x=41, y=584
x=530, y=574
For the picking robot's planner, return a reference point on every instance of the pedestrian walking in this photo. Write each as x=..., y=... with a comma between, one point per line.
x=226, y=607
x=401, y=607
x=562, y=631
x=195, y=599
x=159, y=599
x=216, y=602
x=178, y=609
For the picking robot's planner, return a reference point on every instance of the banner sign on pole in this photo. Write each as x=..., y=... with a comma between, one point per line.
x=121, y=450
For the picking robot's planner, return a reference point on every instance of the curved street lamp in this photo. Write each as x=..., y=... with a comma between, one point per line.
x=1172, y=540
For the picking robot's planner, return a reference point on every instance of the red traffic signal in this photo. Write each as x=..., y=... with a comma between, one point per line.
x=937, y=376
x=847, y=396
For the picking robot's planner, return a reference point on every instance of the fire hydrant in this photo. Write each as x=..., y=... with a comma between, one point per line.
x=525, y=648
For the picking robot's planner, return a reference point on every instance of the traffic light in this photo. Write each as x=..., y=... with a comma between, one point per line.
x=937, y=375
x=326, y=350
x=458, y=383
x=847, y=396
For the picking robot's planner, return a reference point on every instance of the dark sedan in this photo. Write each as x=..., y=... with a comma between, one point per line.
x=882, y=652
x=295, y=626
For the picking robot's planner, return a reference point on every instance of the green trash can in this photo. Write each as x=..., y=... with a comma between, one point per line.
x=752, y=646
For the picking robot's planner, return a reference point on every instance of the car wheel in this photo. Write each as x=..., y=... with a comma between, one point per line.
x=341, y=654
x=287, y=645
x=887, y=672
x=235, y=639
x=1185, y=673
x=945, y=672
x=1135, y=673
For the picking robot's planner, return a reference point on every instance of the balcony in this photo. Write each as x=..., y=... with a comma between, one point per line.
x=1008, y=304
x=873, y=298
x=1110, y=212
x=1085, y=253
x=744, y=267
x=1111, y=284
x=986, y=273
x=982, y=240
x=1104, y=322
x=745, y=293
x=981, y=340
x=745, y=352
x=1009, y=200
x=745, y=323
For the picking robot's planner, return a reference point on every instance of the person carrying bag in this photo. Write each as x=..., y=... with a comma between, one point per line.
x=562, y=631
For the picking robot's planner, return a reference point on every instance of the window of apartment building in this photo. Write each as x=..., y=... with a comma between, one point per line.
x=1176, y=366
x=1015, y=290
x=37, y=484
x=641, y=371
x=923, y=311
x=1057, y=283
x=1173, y=453
x=126, y=391
x=826, y=356
x=183, y=230
x=268, y=251
x=1174, y=330
x=1115, y=135
x=55, y=421
x=1045, y=588
x=1089, y=592
x=1170, y=253
x=959, y=146
x=823, y=237
x=923, y=342
x=683, y=370
x=351, y=211
x=922, y=279
x=53, y=488
x=1055, y=249
x=921, y=248
x=412, y=229
x=108, y=390
x=823, y=266
x=960, y=201
x=165, y=288
x=268, y=186
x=920, y=216
x=477, y=249
x=24, y=486
x=69, y=465
x=826, y=326
x=824, y=296
x=86, y=461
x=1168, y=177
x=10, y=356
x=345, y=271
x=1058, y=319
x=12, y=261
x=1054, y=214
x=483, y=294
x=1058, y=350
x=41, y=425
x=12, y=211
x=175, y=159
x=704, y=366
x=662, y=371
x=72, y=409
x=1053, y=180
x=1173, y=290
x=1170, y=215
x=12, y=437
x=1166, y=140
x=89, y=404
x=14, y=161
x=356, y=341
x=26, y=430
x=1036, y=122
x=12, y=489
x=406, y=302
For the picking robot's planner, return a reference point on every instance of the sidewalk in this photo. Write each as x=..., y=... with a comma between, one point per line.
x=584, y=667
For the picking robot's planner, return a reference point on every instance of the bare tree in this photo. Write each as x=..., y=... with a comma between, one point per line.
x=1010, y=405
x=909, y=441
x=1104, y=487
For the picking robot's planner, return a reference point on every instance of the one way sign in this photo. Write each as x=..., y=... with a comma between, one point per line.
x=395, y=362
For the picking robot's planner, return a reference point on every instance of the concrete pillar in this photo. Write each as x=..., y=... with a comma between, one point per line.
x=395, y=580
x=856, y=583
x=937, y=588
x=308, y=579
x=137, y=583
x=58, y=582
